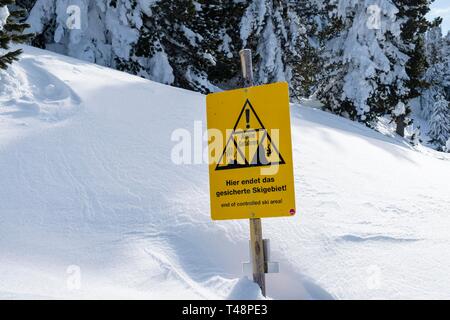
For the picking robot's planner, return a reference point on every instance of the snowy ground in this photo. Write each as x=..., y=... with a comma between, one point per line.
x=88, y=184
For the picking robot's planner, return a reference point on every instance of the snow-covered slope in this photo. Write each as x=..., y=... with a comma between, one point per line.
x=87, y=184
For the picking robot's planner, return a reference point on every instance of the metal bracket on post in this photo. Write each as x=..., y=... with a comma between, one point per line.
x=269, y=266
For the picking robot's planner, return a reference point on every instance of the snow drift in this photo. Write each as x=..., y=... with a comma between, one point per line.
x=91, y=205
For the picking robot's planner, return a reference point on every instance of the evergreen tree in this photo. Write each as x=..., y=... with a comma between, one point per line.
x=282, y=34
x=187, y=43
x=435, y=75
x=414, y=26
x=446, y=66
x=364, y=72
x=304, y=62
x=194, y=43
x=102, y=32
x=440, y=123
x=218, y=24
x=11, y=31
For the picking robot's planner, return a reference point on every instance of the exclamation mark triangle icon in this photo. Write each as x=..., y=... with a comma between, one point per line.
x=247, y=116
x=249, y=144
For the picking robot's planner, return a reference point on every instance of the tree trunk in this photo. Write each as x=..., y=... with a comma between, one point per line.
x=400, y=122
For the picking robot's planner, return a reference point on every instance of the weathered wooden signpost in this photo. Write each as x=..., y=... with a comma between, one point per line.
x=251, y=175
x=256, y=239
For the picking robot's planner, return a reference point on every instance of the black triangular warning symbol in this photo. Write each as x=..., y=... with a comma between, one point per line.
x=249, y=144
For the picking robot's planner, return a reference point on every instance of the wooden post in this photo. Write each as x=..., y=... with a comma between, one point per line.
x=257, y=252
x=247, y=67
x=256, y=240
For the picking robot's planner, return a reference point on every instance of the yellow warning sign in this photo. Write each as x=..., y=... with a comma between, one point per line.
x=250, y=153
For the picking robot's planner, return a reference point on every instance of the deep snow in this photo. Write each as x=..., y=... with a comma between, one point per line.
x=88, y=184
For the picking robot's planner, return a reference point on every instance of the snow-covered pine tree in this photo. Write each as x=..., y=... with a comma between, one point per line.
x=186, y=43
x=11, y=31
x=198, y=43
x=364, y=72
x=281, y=35
x=189, y=44
x=446, y=72
x=414, y=26
x=96, y=31
x=304, y=61
x=218, y=24
x=440, y=123
x=435, y=74
x=181, y=42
